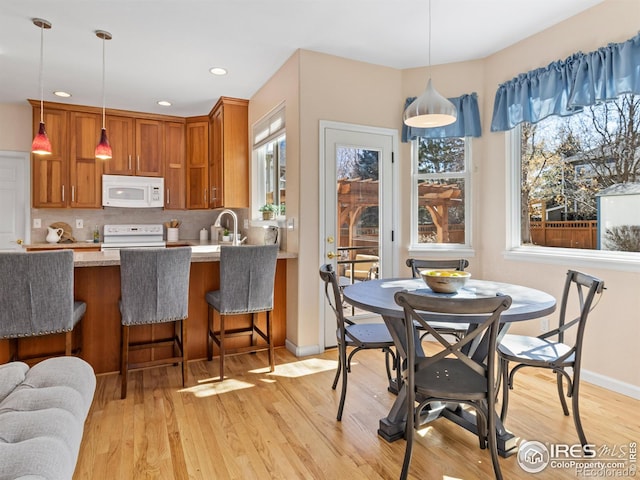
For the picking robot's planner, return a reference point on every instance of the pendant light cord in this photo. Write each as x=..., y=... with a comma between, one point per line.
x=103, y=82
x=429, y=39
x=41, y=69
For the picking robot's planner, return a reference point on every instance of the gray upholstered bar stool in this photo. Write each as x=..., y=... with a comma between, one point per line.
x=36, y=298
x=247, y=276
x=154, y=288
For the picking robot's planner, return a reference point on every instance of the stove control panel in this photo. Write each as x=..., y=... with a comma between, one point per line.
x=117, y=230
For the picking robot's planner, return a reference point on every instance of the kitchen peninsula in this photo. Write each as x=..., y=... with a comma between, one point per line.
x=97, y=282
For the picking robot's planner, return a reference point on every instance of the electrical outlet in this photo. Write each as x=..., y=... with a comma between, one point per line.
x=544, y=325
x=79, y=223
x=246, y=224
x=37, y=223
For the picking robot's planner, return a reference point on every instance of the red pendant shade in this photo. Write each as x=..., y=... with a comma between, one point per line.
x=41, y=144
x=103, y=149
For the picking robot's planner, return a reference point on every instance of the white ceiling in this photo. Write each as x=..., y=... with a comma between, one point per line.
x=163, y=49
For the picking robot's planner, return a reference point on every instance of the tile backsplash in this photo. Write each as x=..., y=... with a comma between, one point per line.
x=192, y=221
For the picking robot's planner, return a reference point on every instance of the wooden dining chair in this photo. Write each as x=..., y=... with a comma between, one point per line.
x=417, y=265
x=355, y=336
x=461, y=372
x=553, y=350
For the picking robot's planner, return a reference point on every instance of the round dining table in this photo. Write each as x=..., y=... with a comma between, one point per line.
x=377, y=296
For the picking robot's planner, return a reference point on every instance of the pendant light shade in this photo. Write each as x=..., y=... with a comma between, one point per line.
x=103, y=149
x=41, y=144
x=430, y=109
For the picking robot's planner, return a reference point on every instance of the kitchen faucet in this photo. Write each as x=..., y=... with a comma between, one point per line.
x=235, y=224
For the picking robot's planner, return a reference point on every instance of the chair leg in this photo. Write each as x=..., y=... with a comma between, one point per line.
x=272, y=356
x=124, y=365
x=576, y=413
x=210, y=333
x=338, y=370
x=409, y=433
x=565, y=409
x=342, y=348
x=504, y=366
x=183, y=352
x=221, y=348
x=493, y=443
x=68, y=343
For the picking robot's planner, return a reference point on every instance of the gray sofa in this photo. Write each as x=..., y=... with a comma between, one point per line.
x=42, y=415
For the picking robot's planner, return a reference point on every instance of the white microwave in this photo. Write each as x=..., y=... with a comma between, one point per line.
x=132, y=192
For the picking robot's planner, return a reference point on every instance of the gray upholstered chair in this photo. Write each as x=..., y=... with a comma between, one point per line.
x=154, y=288
x=36, y=298
x=355, y=336
x=552, y=350
x=247, y=277
x=459, y=372
x=417, y=265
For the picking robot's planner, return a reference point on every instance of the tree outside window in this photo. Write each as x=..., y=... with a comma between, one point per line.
x=571, y=166
x=441, y=181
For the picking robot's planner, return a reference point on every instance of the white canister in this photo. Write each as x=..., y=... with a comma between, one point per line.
x=204, y=235
x=172, y=234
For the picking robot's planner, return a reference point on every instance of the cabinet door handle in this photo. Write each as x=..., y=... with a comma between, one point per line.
x=129, y=162
x=63, y=193
x=168, y=201
x=73, y=193
x=213, y=193
x=205, y=197
x=138, y=163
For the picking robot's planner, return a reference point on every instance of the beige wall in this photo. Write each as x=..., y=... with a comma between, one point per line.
x=341, y=90
x=15, y=127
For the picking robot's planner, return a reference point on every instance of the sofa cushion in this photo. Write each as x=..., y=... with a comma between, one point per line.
x=11, y=375
x=42, y=418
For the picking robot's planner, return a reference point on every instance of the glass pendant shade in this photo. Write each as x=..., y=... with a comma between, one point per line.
x=41, y=144
x=103, y=149
x=430, y=110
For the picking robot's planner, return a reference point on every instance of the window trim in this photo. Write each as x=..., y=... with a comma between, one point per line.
x=514, y=250
x=443, y=250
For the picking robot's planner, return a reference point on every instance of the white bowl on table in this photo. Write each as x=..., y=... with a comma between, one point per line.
x=445, y=281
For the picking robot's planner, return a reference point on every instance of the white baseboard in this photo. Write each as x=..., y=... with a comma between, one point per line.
x=612, y=384
x=303, y=351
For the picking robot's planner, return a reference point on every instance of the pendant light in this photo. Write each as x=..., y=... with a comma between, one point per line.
x=41, y=144
x=430, y=109
x=103, y=149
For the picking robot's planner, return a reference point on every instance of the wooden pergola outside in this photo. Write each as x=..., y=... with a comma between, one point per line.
x=356, y=194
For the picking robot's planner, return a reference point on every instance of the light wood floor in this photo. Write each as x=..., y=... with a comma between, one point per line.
x=256, y=425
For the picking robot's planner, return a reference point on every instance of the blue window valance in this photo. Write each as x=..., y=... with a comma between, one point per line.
x=467, y=124
x=565, y=86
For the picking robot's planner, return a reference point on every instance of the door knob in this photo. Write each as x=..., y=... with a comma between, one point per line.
x=331, y=255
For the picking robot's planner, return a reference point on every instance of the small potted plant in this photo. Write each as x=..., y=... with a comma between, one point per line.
x=226, y=236
x=269, y=211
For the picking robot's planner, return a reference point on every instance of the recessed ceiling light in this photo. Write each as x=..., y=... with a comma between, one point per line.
x=218, y=71
x=62, y=94
x=164, y=103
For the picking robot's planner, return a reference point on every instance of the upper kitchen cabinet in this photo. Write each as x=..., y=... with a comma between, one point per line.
x=50, y=173
x=197, y=162
x=174, y=166
x=229, y=154
x=85, y=171
x=137, y=145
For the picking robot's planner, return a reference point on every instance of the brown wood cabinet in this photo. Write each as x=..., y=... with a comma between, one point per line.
x=197, y=129
x=137, y=145
x=85, y=171
x=50, y=173
x=174, y=167
x=229, y=154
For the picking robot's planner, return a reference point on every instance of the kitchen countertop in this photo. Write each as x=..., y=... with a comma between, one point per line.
x=56, y=246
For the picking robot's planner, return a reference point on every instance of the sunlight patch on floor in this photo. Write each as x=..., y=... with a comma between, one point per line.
x=304, y=367
x=217, y=388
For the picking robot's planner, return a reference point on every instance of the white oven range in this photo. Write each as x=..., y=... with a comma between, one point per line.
x=116, y=237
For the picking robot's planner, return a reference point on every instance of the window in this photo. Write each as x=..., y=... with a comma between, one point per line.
x=270, y=163
x=576, y=186
x=580, y=179
x=441, y=194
